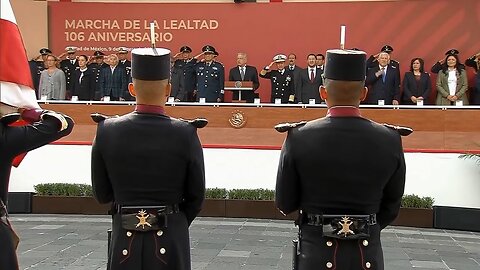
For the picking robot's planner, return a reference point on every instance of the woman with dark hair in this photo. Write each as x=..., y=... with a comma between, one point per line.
x=452, y=83
x=83, y=80
x=416, y=83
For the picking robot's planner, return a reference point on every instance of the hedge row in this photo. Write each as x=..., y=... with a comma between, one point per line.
x=63, y=189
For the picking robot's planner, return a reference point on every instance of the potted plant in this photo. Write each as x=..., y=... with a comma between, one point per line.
x=63, y=198
x=415, y=211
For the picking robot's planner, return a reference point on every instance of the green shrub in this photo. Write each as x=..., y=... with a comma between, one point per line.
x=414, y=201
x=215, y=193
x=251, y=194
x=63, y=189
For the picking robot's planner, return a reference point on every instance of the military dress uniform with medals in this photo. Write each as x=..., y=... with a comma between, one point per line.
x=210, y=78
x=153, y=173
x=343, y=209
x=281, y=82
x=96, y=70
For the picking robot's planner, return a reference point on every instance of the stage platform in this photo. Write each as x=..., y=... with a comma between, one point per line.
x=236, y=125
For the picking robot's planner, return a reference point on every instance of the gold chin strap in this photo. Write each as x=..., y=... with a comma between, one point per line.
x=59, y=117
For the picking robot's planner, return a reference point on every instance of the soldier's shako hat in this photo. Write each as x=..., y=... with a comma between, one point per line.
x=122, y=50
x=208, y=49
x=345, y=65
x=71, y=49
x=150, y=64
x=387, y=49
x=44, y=51
x=98, y=53
x=279, y=58
x=452, y=52
x=185, y=49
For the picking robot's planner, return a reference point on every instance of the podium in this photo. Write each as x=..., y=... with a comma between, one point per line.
x=238, y=86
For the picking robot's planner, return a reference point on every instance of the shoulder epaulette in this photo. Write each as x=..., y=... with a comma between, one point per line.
x=98, y=117
x=403, y=131
x=283, y=127
x=9, y=118
x=198, y=122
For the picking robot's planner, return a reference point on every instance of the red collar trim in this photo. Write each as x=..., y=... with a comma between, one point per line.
x=142, y=108
x=344, y=111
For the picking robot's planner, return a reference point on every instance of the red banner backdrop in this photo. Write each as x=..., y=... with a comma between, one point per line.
x=415, y=28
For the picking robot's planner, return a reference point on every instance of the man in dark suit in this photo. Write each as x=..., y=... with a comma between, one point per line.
x=372, y=61
x=245, y=73
x=153, y=173
x=320, y=61
x=294, y=69
x=210, y=77
x=69, y=65
x=113, y=81
x=281, y=80
x=383, y=81
x=309, y=81
x=43, y=127
x=344, y=173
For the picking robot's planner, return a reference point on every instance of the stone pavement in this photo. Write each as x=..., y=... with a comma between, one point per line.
x=74, y=242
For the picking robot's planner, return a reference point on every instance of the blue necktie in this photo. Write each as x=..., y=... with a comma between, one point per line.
x=384, y=74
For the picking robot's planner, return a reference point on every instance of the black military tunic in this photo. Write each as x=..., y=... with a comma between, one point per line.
x=157, y=160
x=362, y=172
x=282, y=84
x=97, y=70
x=68, y=68
x=36, y=68
x=127, y=64
x=14, y=141
x=183, y=79
x=210, y=81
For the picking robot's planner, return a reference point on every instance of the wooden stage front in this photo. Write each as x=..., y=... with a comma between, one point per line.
x=436, y=129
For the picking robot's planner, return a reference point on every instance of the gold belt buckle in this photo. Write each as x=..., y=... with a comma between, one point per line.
x=345, y=223
x=142, y=219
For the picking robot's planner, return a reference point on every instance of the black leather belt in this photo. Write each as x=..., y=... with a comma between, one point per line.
x=344, y=227
x=146, y=218
x=320, y=220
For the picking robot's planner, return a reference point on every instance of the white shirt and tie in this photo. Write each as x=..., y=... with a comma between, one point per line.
x=242, y=72
x=312, y=73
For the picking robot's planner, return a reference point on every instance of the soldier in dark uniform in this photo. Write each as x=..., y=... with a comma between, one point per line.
x=281, y=79
x=37, y=66
x=440, y=64
x=154, y=173
x=210, y=77
x=183, y=78
x=359, y=190
x=44, y=127
x=69, y=65
x=474, y=62
x=127, y=64
x=97, y=65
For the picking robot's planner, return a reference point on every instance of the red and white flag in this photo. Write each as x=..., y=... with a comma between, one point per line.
x=16, y=86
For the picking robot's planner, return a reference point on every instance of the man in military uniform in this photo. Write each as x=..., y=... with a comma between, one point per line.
x=154, y=173
x=43, y=127
x=96, y=63
x=68, y=66
x=210, y=77
x=127, y=65
x=474, y=62
x=183, y=78
x=37, y=65
x=359, y=190
x=281, y=79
